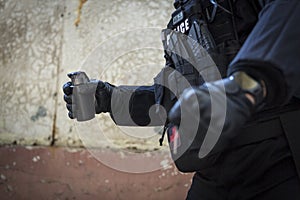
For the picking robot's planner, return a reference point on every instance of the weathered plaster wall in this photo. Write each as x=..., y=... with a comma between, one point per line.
x=31, y=35
x=116, y=40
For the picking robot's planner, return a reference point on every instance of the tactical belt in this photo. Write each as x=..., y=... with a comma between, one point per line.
x=286, y=123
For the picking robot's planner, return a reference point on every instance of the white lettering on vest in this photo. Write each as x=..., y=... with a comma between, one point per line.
x=183, y=27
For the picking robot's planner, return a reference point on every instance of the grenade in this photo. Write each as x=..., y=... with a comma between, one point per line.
x=83, y=97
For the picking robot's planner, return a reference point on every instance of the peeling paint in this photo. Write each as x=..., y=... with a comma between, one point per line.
x=30, y=40
x=41, y=112
x=40, y=45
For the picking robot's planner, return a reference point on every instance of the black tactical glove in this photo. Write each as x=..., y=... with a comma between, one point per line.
x=102, y=97
x=208, y=117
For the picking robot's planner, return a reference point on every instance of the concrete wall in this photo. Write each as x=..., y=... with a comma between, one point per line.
x=116, y=40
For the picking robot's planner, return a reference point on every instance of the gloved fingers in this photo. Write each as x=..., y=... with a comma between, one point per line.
x=71, y=108
x=67, y=88
x=71, y=115
x=101, y=85
x=68, y=99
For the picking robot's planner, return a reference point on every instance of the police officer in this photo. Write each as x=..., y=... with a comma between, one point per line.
x=256, y=155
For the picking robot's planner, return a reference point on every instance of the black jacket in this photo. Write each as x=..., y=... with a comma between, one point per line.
x=270, y=51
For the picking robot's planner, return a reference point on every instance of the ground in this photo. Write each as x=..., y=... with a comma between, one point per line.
x=64, y=173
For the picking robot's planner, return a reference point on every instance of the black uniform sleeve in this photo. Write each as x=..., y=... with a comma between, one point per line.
x=141, y=105
x=272, y=51
x=134, y=106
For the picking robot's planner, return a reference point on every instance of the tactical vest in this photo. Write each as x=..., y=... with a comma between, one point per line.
x=220, y=27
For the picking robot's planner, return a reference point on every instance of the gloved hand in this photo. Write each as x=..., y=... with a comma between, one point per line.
x=102, y=97
x=209, y=116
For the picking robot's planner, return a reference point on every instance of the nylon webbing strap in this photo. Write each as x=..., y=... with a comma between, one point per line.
x=291, y=125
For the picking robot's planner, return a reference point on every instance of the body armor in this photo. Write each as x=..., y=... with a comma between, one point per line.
x=218, y=27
